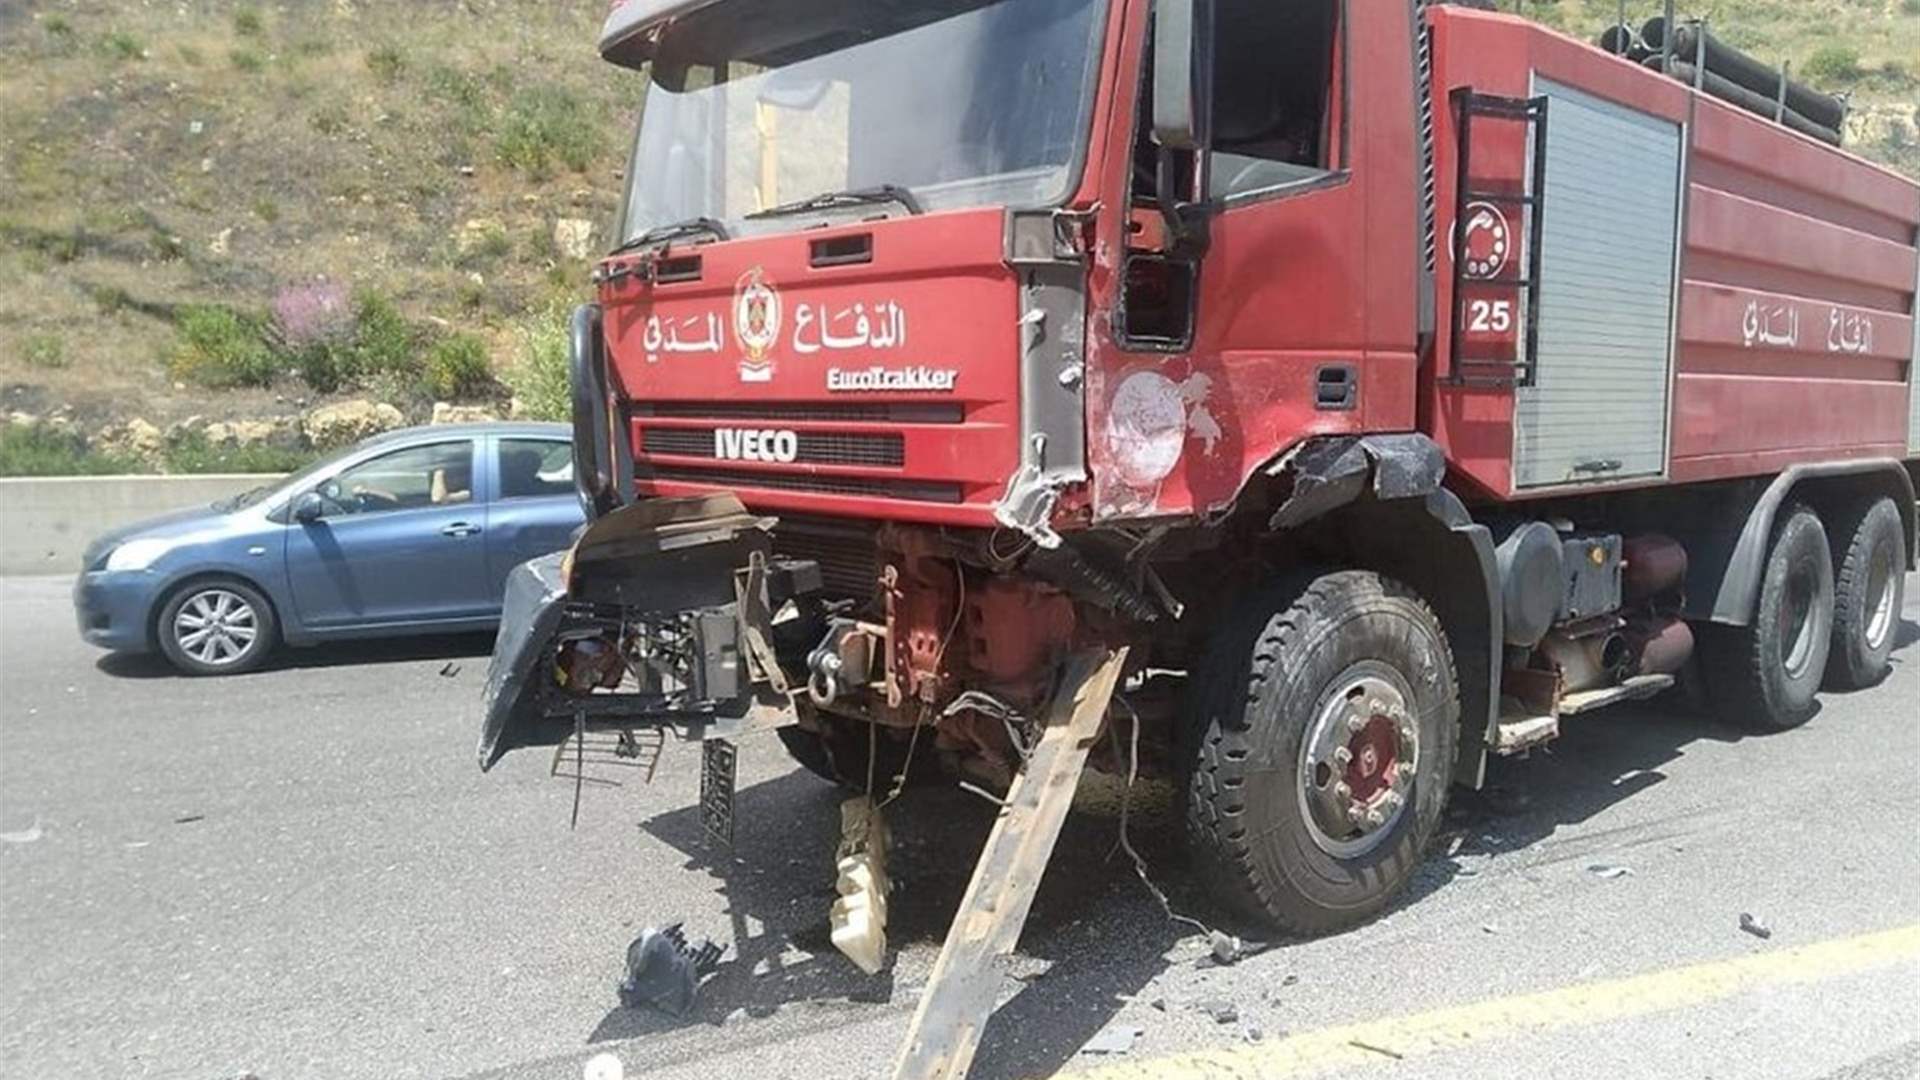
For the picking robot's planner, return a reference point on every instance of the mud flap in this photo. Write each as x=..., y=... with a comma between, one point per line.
x=672, y=568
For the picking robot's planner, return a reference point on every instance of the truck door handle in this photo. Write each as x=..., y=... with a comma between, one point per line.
x=460, y=530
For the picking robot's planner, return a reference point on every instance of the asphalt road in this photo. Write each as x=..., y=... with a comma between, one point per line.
x=301, y=873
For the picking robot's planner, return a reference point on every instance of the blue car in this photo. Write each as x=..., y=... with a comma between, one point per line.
x=409, y=532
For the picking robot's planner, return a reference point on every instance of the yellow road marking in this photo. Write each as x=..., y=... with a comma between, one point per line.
x=1377, y=1041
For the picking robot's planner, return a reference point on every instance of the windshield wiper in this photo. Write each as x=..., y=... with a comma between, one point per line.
x=689, y=227
x=885, y=193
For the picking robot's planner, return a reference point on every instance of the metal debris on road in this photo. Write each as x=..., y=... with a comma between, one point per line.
x=664, y=971
x=1113, y=1039
x=1394, y=1054
x=1222, y=1012
x=1755, y=927
x=1602, y=870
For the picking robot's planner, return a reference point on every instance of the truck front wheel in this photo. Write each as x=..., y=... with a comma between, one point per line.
x=1764, y=676
x=1327, y=712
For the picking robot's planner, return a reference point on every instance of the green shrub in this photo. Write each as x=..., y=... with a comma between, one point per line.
x=266, y=209
x=246, y=60
x=35, y=451
x=122, y=45
x=57, y=26
x=539, y=376
x=1833, y=64
x=547, y=127
x=191, y=453
x=457, y=367
x=387, y=62
x=219, y=347
x=383, y=339
x=190, y=55
x=246, y=21
x=46, y=351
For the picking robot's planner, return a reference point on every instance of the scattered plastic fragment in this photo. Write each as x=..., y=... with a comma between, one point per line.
x=1113, y=1039
x=1755, y=927
x=603, y=1067
x=1602, y=870
x=188, y=819
x=450, y=670
x=27, y=835
x=664, y=971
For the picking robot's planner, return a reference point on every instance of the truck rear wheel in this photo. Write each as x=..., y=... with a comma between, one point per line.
x=1322, y=750
x=1869, y=583
x=1764, y=676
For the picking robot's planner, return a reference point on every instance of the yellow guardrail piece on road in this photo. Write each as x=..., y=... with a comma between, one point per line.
x=1420, y=1034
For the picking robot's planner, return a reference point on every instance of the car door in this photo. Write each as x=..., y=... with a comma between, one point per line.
x=401, y=540
x=535, y=508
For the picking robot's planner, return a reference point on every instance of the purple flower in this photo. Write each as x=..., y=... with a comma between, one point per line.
x=316, y=313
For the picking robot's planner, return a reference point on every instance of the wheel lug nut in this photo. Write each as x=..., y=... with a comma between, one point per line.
x=1356, y=815
x=1342, y=757
x=1341, y=790
x=1407, y=732
x=1375, y=819
x=1356, y=724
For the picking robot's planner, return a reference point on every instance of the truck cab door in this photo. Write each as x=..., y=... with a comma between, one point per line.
x=1295, y=314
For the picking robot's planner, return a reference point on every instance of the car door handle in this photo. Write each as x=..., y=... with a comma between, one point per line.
x=460, y=530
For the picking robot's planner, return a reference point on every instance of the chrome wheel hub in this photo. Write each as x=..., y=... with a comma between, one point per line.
x=216, y=627
x=1358, y=761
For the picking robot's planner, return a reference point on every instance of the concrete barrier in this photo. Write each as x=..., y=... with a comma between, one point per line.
x=46, y=522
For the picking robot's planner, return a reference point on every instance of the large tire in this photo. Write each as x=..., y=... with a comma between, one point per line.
x=1869, y=585
x=1266, y=794
x=1764, y=676
x=216, y=626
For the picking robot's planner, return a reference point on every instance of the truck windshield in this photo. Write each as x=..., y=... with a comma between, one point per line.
x=757, y=104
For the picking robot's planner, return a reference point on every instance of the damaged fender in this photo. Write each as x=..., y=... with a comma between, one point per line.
x=1330, y=473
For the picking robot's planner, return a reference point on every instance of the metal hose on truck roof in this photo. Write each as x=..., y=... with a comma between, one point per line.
x=1820, y=109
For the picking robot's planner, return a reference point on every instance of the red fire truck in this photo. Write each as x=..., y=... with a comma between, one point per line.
x=1364, y=385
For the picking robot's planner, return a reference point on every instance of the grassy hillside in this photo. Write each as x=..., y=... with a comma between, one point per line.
x=240, y=210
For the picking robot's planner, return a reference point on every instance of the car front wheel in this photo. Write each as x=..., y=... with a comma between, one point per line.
x=217, y=628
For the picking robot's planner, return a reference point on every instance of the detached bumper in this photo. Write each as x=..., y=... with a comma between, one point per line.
x=648, y=599
x=114, y=609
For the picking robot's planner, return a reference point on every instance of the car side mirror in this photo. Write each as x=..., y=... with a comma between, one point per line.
x=308, y=508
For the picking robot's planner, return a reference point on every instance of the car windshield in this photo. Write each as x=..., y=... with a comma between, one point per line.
x=292, y=483
x=758, y=104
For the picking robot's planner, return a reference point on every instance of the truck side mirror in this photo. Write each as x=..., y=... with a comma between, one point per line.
x=1182, y=96
x=1182, y=36
x=308, y=508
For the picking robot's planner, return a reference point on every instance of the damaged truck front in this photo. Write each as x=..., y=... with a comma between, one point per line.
x=984, y=388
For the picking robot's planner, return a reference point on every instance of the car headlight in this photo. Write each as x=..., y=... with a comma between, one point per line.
x=138, y=554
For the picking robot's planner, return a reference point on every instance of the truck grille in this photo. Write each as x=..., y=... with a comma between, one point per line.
x=775, y=412
x=909, y=490
x=816, y=448
x=849, y=562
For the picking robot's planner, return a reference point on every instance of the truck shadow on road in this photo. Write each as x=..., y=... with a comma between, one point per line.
x=1096, y=938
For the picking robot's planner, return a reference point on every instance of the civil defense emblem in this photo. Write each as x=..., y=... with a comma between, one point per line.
x=756, y=322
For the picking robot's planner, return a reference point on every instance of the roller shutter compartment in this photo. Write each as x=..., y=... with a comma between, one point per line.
x=1598, y=410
